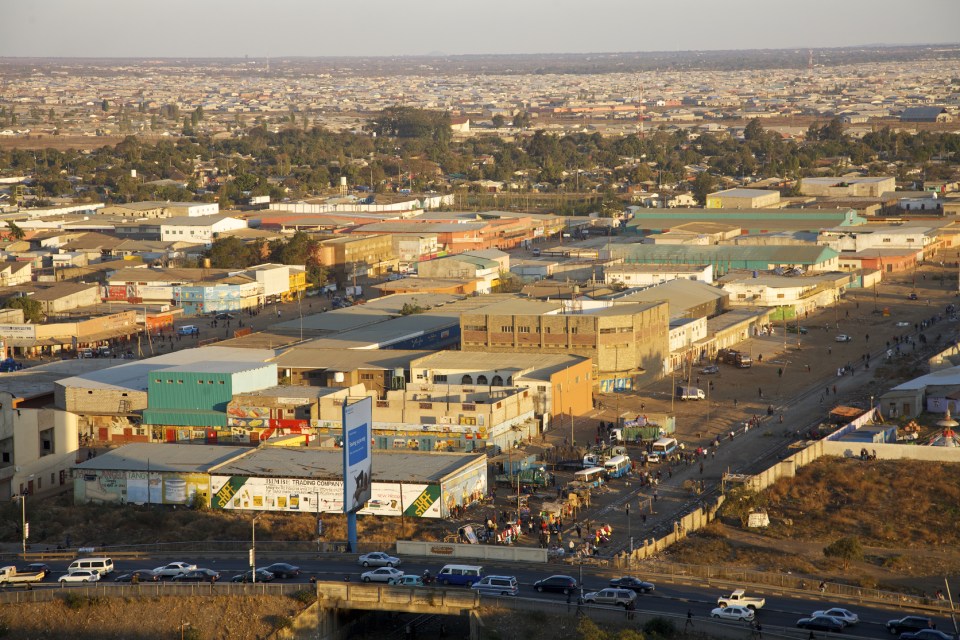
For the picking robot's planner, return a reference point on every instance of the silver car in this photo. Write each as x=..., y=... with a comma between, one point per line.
x=383, y=574
x=620, y=597
x=378, y=559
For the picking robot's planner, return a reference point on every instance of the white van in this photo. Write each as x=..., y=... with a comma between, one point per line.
x=690, y=393
x=103, y=566
x=663, y=449
x=460, y=574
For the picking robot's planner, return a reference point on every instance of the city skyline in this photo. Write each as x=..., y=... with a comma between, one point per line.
x=216, y=29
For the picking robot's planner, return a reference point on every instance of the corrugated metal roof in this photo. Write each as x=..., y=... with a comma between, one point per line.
x=183, y=458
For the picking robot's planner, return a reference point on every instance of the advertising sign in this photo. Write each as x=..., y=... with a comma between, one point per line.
x=22, y=331
x=357, y=453
x=323, y=496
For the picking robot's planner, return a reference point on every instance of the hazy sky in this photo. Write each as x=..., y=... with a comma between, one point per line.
x=234, y=28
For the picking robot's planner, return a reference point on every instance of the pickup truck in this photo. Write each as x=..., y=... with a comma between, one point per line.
x=9, y=575
x=739, y=597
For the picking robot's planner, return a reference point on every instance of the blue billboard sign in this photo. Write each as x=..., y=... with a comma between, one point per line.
x=357, y=454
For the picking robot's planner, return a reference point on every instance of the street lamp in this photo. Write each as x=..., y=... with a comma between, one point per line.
x=23, y=521
x=253, y=548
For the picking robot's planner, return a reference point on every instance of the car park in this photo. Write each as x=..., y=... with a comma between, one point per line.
x=283, y=570
x=847, y=616
x=174, y=569
x=497, y=586
x=618, y=597
x=142, y=575
x=383, y=574
x=82, y=575
x=557, y=584
x=843, y=338
x=926, y=634
x=910, y=623
x=634, y=584
x=198, y=575
x=733, y=612
x=378, y=559
x=246, y=576
x=821, y=623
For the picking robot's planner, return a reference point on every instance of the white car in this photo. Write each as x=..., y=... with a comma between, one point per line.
x=844, y=615
x=843, y=338
x=81, y=576
x=378, y=559
x=174, y=569
x=903, y=323
x=733, y=612
x=383, y=574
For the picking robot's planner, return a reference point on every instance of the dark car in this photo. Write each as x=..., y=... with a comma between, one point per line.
x=821, y=623
x=710, y=368
x=910, y=623
x=9, y=365
x=283, y=570
x=36, y=567
x=634, y=584
x=792, y=328
x=224, y=316
x=198, y=575
x=926, y=634
x=262, y=576
x=557, y=584
x=912, y=296
x=143, y=575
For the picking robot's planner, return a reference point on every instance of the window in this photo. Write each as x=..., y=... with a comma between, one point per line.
x=199, y=381
x=523, y=329
x=467, y=379
x=426, y=405
x=440, y=377
x=222, y=382
x=573, y=329
x=506, y=329
x=481, y=379
x=366, y=376
x=497, y=381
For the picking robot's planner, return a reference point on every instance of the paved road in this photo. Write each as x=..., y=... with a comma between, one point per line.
x=780, y=610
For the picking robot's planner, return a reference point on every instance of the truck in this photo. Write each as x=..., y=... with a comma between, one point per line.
x=690, y=393
x=740, y=597
x=538, y=477
x=10, y=575
x=734, y=357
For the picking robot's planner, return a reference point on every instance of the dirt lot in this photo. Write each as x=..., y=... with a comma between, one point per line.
x=221, y=618
x=905, y=514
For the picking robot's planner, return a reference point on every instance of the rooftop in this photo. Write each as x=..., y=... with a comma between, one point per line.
x=182, y=458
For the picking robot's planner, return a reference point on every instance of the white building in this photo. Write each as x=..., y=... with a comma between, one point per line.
x=864, y=239
x=199, y=229
x=645, y=275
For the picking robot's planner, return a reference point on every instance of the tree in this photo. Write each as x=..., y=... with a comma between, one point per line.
x=703, y=185
x=230, y=253
x=105, y=105
x=498, y=121
x=32, y=310
x=846, y=550
x=14, y=231
x=741, y=501
x=753, y=130
x=521, y=120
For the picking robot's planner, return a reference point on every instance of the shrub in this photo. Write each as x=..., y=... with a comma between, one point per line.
x=305, y=597
x=74, y=601
x=279, y=622
x=660, y=628
x=846, y=550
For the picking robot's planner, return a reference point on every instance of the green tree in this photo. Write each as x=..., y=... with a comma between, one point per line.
x=741, y=501
x=846, y=550
x=498, y=121
x=753, y=130
x=15, y=231
x=521, y=120
x=703, y=185
x=32, y=310
x=105, y=105
x=230, y=253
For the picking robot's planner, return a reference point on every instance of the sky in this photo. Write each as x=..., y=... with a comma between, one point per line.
x=277, y=28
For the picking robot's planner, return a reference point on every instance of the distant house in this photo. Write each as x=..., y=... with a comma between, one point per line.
x=925, y=114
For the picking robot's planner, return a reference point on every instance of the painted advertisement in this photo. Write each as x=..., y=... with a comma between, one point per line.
x=324, y=496
x=357, y=453
x=465, y=489
x=139, y=487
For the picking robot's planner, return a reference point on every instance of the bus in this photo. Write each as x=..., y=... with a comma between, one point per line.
x=592, y=476
x=663, y=450
x=617, y=466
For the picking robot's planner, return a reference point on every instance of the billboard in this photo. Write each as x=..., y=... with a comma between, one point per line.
x=321, y=496
x=357, y=453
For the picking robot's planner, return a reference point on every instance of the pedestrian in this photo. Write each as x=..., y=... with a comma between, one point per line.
x=579, y=531
x=760, y=392
x=758, y=629
x=701, y=468
x=823, y=586
x=734, y=402
x=569, y=599
x=689, y=623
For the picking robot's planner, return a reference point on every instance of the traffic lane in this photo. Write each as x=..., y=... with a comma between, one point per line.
x=676, y=597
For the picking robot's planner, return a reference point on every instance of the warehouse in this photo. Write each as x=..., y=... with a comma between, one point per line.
x=299, y=480
x=743, y=199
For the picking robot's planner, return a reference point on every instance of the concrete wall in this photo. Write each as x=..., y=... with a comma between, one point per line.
x=892, y=451
x=458, y=553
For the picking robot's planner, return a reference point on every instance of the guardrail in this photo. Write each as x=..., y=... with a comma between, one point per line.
x=149, y=590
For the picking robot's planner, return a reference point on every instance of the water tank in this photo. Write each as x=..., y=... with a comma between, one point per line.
x=343, y=181
x=206, y=263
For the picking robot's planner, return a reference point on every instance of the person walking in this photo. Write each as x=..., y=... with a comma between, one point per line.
x=689, y=624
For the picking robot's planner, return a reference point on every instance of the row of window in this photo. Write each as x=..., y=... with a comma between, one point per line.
x=508, y=329
x=170, y=381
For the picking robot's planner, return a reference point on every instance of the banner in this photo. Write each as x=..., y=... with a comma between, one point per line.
x=357, y=453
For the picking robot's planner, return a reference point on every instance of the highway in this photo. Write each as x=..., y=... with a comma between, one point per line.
x=675, y=599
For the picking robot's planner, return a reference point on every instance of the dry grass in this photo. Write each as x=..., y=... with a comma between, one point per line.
x=51, y=519
x=216, y=618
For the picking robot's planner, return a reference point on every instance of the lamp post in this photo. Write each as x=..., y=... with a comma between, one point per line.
x=23, y=521
x=253, y=548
